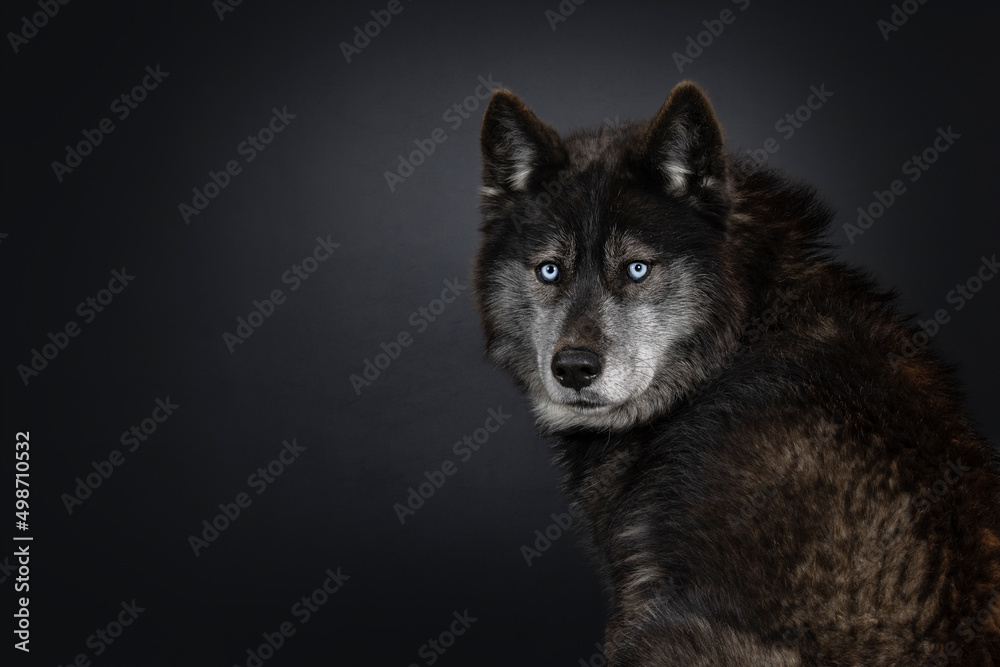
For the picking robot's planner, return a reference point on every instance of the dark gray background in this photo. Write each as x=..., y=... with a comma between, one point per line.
x=322, y=176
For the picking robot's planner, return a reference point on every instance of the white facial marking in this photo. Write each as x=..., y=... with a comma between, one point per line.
x=639, y=339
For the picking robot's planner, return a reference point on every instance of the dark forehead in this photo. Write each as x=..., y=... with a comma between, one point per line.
x=604, y=186
x=605, y=144
x=608, y=193
x=605, y=152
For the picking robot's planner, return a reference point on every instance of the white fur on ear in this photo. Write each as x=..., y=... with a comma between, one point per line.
x=685, y=145
x=516, y=144
x=675, y=160
x=519, y=155
x=677, y=176
x=521, y=174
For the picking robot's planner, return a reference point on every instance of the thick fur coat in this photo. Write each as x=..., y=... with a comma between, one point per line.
x=772, y=465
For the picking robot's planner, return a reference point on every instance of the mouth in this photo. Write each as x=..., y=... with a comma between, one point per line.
x=587, y=406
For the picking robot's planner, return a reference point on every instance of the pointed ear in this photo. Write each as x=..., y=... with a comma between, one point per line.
x=517, y=147
x=684, y=144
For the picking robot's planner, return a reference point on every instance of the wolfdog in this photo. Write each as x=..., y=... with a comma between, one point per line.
x=769, y=470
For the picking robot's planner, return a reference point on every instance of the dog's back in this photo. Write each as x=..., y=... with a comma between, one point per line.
x=771, y=471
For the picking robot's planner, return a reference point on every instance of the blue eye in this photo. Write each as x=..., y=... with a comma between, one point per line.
x=549, y=272
x=638, y=270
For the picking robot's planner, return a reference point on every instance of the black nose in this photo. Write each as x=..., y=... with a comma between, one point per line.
x=575, y=368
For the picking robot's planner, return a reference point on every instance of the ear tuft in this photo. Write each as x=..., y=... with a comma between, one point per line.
x=516, y=145
x=684, y=143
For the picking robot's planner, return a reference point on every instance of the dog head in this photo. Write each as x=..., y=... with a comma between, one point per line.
x=601, y=279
